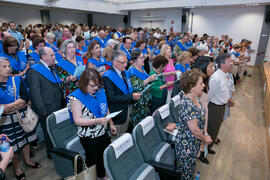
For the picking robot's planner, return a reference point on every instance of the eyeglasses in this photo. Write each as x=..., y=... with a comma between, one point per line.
x=125, y=62
x=93, y=86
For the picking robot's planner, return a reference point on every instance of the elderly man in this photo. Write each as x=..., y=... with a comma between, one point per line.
x=119, y=34
x=16, y=34
x=100, y=38
x=119, y=92
x=218, y=95
x=45, y=90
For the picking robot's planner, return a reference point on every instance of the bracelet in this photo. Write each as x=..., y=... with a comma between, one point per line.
x=206, y=134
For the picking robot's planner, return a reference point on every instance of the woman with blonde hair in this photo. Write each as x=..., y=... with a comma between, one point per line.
x=183, y=62
x=169, y=68
x=107, y=53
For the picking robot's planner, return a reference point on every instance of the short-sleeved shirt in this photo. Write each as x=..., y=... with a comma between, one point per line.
x=17, y=35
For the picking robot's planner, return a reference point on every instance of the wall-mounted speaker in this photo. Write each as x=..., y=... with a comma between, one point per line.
x=267, y=17
x=125, y=19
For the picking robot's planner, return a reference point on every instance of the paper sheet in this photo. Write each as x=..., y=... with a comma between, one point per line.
x=146, y=88
x=178, y=75
x=79, y=70
x=112, y=115
x=1, y=110
x=174, y=132
x=205, y=151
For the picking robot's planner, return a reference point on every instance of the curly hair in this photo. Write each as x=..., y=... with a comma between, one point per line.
x=189, y=79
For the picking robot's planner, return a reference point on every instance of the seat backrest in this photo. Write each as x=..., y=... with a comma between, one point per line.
x=147, y=137
x=122, y=158
x=150, y=144
x=162, y=117
x=174, y=107
x=62, y=132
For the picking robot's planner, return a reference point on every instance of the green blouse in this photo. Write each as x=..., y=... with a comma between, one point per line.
x=155, y=88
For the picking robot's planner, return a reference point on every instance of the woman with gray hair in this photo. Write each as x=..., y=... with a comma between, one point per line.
x=67, y=65
x=50, y=37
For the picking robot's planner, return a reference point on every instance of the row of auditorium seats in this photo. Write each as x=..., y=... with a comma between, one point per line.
x=146, y=154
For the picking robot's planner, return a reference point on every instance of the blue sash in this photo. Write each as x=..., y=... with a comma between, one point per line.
x=35, y=56
x=1, y=47
x=30, y=49
x=127, y=53
x=189, y=44
x=68, y=66
x=7, y=96
x=87, y=42
x=97, y=105
x=142, y=75
x=46, y=73
x=81, y=52
x=101, y=43
x=181, y=67
x=102, y=62
x=181, y=46
x=17, y=66
x=119, y=82
x=58, y=56
x=53, y=47
x=119, y=35
x=236, y=54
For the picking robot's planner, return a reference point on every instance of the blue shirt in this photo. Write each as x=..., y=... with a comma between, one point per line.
x=17, y=35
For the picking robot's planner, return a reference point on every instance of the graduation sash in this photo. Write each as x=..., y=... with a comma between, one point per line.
x=68, y=66
x=119, y=82
x=81, y=51
x=102, y=62
x=52, y=46
x=17, y=65
x=234, y=53
x=7, y=96
x=101, y=43
x=97, y=105
x=142, y=75
x=119, y=35
x=182, y=67
x=45, y=72
x=1, y=47
x=181, y=46
x=127, y=53
x=35, y=56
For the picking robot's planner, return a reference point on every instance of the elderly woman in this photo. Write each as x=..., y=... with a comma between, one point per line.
x=95, y=60
x=169, y=68
x=50, y=41
x=206, y=65
x=17, y=59
x=191, y=122
x=159, y=88
x=183, y=62
x=139, y=79
x=14, y=97
x=67, y=65
x=107, y=53
x=38, y=43
x=88, y=106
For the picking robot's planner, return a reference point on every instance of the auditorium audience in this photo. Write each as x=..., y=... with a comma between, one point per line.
x=139, y=80
x=89, y=107
x=14, y=97
x=191, y=123
x=119, y=92
x=45, y=89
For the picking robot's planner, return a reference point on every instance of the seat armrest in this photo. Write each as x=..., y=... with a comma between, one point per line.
x=165, y=171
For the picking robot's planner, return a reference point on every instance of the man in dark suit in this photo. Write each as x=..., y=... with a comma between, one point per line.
x=45, y=90
x=119, y=92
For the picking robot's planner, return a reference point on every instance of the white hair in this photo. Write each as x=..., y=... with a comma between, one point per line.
x=202, y=47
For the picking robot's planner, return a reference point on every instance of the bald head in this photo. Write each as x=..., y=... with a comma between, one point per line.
x=101, y=34
x=47, y=55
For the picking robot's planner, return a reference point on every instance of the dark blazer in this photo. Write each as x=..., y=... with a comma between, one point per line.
x=46, y=96
x=117, y=100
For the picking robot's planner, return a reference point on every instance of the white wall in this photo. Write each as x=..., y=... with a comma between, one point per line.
x=108, y=19
x=167, y=15
x=68, y=17
x=23, y=16
x=237, y=22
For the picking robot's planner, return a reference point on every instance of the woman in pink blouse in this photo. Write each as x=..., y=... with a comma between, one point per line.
x=167, y=53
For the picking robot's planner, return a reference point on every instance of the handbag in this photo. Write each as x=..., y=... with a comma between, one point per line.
x=87, y=174
x=30, y=120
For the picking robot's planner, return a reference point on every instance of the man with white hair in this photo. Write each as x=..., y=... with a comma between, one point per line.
x=100, y=38
x=119, y=34
x=203, y=50
x=181, y=46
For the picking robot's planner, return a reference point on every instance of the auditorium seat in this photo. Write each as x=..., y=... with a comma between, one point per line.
x=123, y=160
x=65, y=141
x=150, y=144
x=162, y=117
x=174, y=108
